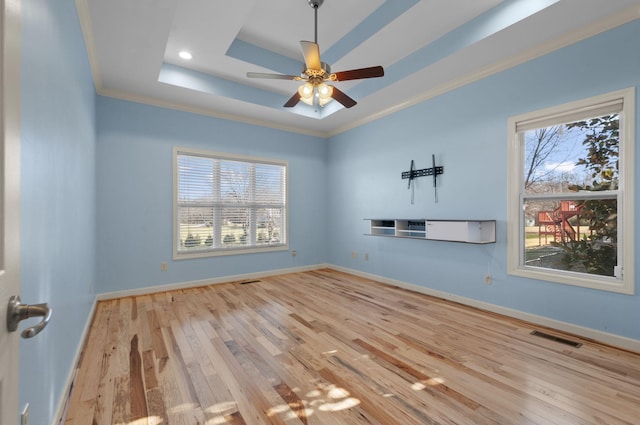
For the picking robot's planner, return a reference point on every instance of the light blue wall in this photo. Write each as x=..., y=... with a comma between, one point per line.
x=97, y=178
x=134, y=193
x=467, y=131
x=58, y=202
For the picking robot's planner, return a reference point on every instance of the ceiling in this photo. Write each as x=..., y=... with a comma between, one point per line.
x=427, y=47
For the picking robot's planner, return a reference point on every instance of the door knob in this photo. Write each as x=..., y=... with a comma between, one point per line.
x=18, y=312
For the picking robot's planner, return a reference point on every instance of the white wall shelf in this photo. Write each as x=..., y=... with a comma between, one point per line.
x=466, y=231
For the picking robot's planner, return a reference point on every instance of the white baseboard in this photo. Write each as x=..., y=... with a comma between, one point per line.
x=593, y=334
x=205, y=282
x=64, y=399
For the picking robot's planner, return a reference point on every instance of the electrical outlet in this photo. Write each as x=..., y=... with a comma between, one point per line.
x=163, y=267
x=24, y=417
x=488, y=279
x=354, y=254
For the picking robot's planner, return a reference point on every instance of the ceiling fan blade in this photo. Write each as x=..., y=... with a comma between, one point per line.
x=341, y=97
x=293, y=101
x=356, y=74
x=272, y=76
x=311, y=52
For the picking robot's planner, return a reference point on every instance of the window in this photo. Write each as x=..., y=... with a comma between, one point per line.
x=570, y=199
x=228, y=204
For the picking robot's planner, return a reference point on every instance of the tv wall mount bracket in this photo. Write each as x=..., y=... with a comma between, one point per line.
x=434, y=171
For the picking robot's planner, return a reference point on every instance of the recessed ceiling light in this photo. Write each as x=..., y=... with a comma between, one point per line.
x=185, y=55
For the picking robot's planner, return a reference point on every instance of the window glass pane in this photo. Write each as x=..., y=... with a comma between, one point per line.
x=195, y=227
x=195, y=179
x=571, y=157
x=235, y=182
x=573, y=235
x=570, y=168
x=270, y=183
x=235, y=227
x=229, y=203
x=270, y=225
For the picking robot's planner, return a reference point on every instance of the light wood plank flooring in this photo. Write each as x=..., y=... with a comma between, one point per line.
x=325, y=347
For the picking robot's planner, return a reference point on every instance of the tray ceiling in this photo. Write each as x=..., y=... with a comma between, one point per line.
x=426, y=47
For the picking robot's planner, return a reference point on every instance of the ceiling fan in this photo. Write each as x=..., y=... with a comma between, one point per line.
x=315, y=73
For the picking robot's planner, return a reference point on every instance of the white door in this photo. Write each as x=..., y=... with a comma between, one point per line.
x=9, y=202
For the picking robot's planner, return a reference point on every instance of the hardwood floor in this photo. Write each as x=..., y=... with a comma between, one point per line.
x=325, y=347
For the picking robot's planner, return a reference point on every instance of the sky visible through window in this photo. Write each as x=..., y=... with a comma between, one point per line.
x=552, y=157
x=563, y=231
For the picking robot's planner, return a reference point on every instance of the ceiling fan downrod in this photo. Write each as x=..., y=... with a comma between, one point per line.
x=315, y=4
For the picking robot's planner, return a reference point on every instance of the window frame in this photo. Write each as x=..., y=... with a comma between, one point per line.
x=236, y=250
x=624, y=194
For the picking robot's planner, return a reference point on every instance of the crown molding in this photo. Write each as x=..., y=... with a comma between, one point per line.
x=151, y=101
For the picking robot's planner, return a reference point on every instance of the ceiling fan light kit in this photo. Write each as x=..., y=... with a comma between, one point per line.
x=315, y=91
x=309, y=93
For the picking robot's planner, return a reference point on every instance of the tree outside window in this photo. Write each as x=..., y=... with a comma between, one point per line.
x=570, y=188
x=573, y=234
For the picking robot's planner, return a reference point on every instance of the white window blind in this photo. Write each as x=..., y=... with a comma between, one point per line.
x=589, y=111
x=228, y=204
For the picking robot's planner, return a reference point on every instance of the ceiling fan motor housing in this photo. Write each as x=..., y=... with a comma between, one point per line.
x=316, y=76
